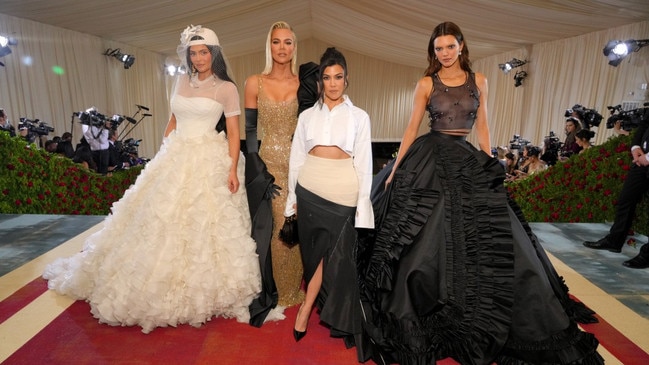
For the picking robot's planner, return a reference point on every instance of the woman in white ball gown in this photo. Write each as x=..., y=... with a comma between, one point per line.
x=177, y=248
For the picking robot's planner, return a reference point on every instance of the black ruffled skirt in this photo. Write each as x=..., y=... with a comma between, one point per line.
x=454, y=271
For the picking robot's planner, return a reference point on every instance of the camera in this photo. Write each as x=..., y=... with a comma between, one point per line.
x=552, y=146
x=130, y=145
x=91, y=117
x=628, y=119
x=35, y=126
x=128, y=152
x=517, y=143
x=589, y=117
x=552, y=143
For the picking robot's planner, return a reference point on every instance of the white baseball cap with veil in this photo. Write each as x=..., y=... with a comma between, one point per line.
x=189, y=85
x=196, y=35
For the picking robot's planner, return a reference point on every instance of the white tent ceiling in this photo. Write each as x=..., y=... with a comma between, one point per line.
x=394, y=31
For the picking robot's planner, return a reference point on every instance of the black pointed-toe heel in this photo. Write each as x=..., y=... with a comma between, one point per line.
x=298, y=335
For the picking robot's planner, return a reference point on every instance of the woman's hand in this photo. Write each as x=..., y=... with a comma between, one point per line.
x=233, y=182
x=389, y=179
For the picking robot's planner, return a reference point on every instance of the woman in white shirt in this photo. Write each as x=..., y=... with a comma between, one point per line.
x=330, y=177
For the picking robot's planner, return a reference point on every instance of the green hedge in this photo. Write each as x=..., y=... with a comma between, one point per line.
x=584, y=188
x=33, y=181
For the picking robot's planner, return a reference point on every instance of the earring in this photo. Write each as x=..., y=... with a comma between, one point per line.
x=459, y=53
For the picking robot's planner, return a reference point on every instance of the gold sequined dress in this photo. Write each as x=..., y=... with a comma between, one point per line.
x=278, y=121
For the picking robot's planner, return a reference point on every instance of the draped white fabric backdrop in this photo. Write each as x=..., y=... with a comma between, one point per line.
x=560, y=74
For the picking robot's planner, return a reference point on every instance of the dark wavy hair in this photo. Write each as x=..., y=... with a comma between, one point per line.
x=533, y=151
x=330, y=57
x=585, y=134
x=219, y=67
x=442, y=29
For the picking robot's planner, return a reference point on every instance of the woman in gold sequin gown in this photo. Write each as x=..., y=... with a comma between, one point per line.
x=271, y=99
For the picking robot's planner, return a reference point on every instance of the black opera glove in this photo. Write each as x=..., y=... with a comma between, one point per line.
x=251, y=130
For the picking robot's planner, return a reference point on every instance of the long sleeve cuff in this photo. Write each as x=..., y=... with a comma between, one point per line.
x=364, y=214
x=290, y=201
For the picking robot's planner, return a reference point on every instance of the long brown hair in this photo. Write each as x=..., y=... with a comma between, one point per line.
x=442, y=29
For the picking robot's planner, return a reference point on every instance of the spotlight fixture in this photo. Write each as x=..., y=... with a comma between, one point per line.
x=173, y=70
x=5, y=42
x=508, y=66
x=617, y=50
x=519, y=77
x=126, y=59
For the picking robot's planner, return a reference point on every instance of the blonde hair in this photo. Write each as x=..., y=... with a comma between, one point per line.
x=269, y=53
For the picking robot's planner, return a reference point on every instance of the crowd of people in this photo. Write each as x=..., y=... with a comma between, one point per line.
x=98, y=149
x=428, y=259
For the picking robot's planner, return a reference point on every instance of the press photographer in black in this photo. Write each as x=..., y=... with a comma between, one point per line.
x=551, y=147
x=117, y=160
x=635, y=186
x=5, y=124
x=96, y=133
x=577, y=118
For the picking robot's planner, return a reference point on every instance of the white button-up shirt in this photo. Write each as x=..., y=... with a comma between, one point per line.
x=97, y=137
x=348, y=128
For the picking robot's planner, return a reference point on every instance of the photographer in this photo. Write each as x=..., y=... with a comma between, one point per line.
x=570, y=146
x=5, y=124
x=635, y=185
x=551, y=147
x=97, y=136
x=26, y=133
x=64, y=146
x=116, y=160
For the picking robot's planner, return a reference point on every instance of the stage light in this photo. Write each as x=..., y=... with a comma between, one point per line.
x=508, y=66
x=519, y=77
x=5, y=42
x=126, y=59
x=617, y=50
x=173, y=70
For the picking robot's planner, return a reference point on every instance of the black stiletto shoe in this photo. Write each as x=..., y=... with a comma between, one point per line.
x=298, y=335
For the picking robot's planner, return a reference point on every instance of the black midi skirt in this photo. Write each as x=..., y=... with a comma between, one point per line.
x=327, y=234
x=453, y=271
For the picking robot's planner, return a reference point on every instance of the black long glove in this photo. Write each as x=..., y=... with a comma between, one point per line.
x=251, y=130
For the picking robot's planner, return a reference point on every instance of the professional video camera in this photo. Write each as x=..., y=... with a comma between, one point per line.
x=552, y=145
x=589, y=117
x=628, y=119
x=128, y=152
x=552, y=142
x=93, y=118
x=35, y=126
x=517, y=143
x=130, y=146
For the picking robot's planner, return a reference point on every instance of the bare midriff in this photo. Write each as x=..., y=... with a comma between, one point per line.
x=330, y=152
x=455, y=132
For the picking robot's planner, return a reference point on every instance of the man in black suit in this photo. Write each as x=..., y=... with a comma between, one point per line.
x=635, y=186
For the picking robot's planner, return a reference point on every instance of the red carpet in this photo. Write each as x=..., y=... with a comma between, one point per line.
x=75, y=337
x=21, y=298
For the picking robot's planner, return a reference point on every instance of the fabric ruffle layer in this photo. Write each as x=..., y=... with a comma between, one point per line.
x=448, y=192
x=176, y=248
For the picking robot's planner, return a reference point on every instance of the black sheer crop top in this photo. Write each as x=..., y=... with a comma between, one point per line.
x=453, y=107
